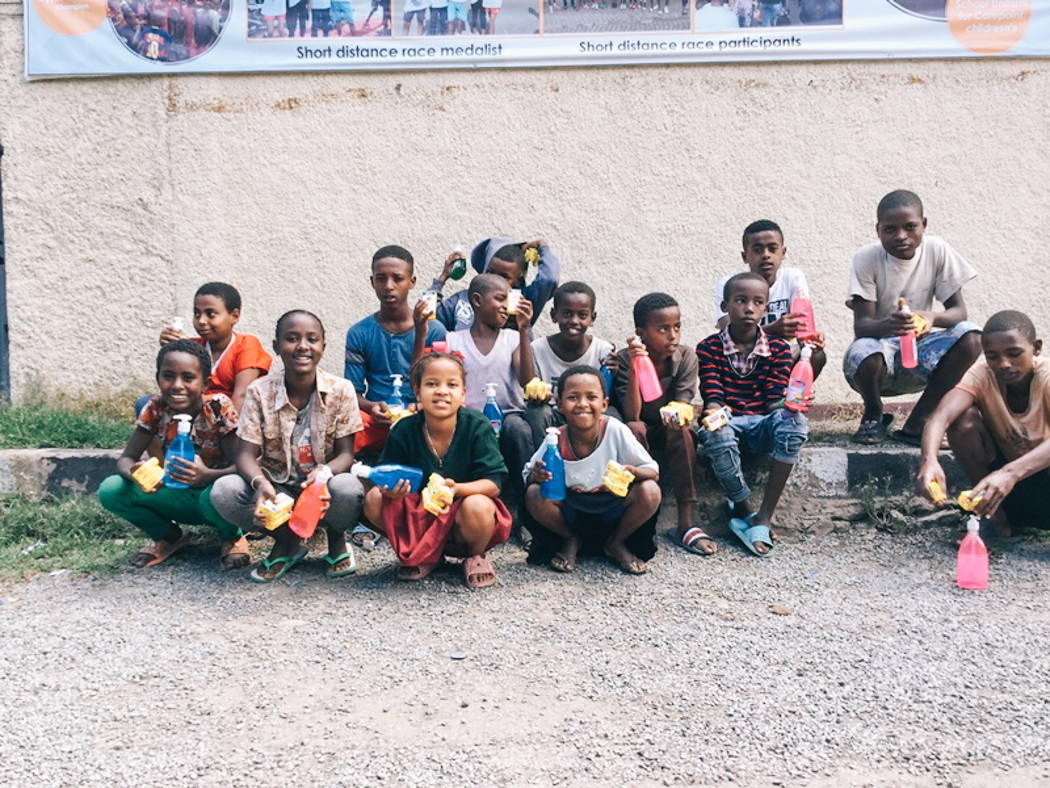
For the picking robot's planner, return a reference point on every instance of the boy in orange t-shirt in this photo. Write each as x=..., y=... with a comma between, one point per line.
x=237, y=359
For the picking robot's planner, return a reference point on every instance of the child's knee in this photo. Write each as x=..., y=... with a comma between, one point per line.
x=646, y=494
x=477, y=510
x=112, y=489
x=789, y=434
x=967, y=349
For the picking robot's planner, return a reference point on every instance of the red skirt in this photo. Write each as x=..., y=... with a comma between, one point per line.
x=418, y=537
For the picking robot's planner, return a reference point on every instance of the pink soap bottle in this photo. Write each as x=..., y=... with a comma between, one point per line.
x=307, y=511
x=909, y=357
x=972, y=569
x=800, y=384
x=648, y=380
x=808, y=325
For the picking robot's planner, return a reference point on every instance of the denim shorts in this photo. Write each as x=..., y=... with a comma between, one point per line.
x=931, y=349
x=457, y=11
x=342, y=11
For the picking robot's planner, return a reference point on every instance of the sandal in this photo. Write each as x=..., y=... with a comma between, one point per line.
x=751, y=535
x=331, y=572
x=475, y=567
x=413, y=573
x=160, y=551
x=871, y=432
x=560, y=563
x=286, y=562
x=688, y=540
x=234, y=553
x=364, y=537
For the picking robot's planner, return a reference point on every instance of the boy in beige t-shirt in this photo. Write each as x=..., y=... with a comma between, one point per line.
x=998, y=421
x=905, y=263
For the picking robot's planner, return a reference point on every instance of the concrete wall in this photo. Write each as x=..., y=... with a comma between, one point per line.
x=122, y=195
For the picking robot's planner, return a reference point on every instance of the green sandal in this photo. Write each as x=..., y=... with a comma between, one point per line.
x=289, y=561
x=331, y=572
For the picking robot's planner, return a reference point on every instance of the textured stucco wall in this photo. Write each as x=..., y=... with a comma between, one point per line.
x=122, y=195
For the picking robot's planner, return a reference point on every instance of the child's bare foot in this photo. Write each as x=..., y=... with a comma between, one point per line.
x=625, y=559
x=565, y=559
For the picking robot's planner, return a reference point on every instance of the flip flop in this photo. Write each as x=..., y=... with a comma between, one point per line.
x=750, y=535
x=871, y=432
x=364, y=537
x=161, y=551
x=288, y=562
x=689, y=539
x=560, y=563
x=475, y=566
x=331, y=573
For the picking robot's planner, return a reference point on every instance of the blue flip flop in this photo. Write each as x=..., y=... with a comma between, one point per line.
x=752, y=534
x=289, y=561
x=331, y=572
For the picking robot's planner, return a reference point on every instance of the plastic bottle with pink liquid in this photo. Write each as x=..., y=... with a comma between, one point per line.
x=807, y=324
x=972, y=571
x=909, y=356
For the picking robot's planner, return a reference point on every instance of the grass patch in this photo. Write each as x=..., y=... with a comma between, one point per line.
x=45, y=424
x=73, y=533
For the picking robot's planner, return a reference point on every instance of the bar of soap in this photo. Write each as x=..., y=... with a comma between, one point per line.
x=617, y=479
x=277, y=511
x=677, y=413
x=148, y=476
x=437, y=496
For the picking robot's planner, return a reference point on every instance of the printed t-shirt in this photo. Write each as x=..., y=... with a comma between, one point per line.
x=374, y=356
x=216, y=420
x=549, y=367
x=243, y=352
x=936, y=271
x=1015, y=434
x=788, y=281
x=473, y=453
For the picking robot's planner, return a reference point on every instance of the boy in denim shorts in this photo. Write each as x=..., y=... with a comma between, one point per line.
x=747, y=370
x=343, y=17
x=905, y=264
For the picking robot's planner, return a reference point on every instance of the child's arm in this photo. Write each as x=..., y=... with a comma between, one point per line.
x=951, y=407
x=485, y=487
x=420, y=318
x=953, y=314
x=446, y=271
x=130, y=460
x=354, y=365
x=542, y=287
x=632, y=399
x=994, y=487
x=522, y=357
x=196, y=474
x=711, y=391
x=642, y=474
x=867, y=324
x=241, y=381
x=776, y=382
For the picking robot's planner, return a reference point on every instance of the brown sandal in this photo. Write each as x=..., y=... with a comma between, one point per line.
x=160, y=550
x=236, y=550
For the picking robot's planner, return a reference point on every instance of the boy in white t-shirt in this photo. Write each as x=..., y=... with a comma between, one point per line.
x=763, y=254
x=998, y=424
x=905, y=264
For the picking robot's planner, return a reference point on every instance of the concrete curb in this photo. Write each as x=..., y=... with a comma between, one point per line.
x=823, y=470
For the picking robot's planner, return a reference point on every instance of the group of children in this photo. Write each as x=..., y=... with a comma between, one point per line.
x=168, y=30
x=259, y=436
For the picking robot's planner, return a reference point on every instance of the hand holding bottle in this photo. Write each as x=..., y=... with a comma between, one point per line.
x=191, y=473
x=324, y=495
x=538, y=474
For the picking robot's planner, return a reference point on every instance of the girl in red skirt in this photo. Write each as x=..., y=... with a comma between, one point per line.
x=459, y=445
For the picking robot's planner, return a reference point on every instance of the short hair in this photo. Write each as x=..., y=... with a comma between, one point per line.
x=761, y=226
x=512, y=253
x=187, y=346
x=901, y=198
x=227, y=293
x=292, y=313
x=581, y=369
x=573, y=288
x=1011, y=320
x=483, y=284
x=745, y=276
x=648, y=304
x=415, y=375
x=398, y=253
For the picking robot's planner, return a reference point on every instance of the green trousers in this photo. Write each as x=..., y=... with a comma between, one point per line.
x=155, y=512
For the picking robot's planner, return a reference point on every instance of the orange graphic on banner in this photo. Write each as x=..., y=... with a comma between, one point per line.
x=988, y=27
x=71, y=17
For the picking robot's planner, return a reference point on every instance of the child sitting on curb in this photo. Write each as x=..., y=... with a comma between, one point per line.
x=592, y=518
x=997, y=419
x=743, y=368
x=183, y=367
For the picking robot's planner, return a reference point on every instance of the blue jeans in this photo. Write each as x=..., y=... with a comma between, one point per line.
x=779, y=434
x=771, y=12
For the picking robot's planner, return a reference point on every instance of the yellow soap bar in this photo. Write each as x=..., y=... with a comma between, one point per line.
x=538, y=390
x=617, y=479
x=678, y=413
x=437, y=496
x=718, y=419
x=532, y=256
x=149, y=474
x=967, y=500
x=276, y=511
x=397, y=413
x=920, y=325
x=936, y=492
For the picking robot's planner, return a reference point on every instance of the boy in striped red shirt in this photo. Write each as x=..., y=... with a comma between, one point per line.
x=747, y=370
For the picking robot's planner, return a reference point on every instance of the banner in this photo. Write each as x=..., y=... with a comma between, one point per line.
x=103, y=37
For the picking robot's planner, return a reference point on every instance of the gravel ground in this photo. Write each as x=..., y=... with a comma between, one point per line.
x=846, y=659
